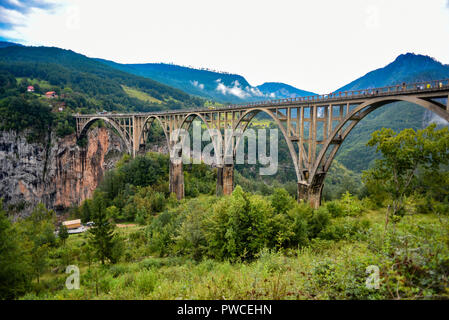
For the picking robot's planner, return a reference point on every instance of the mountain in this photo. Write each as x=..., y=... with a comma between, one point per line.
x=218, y=86
x=4, y=44
x=100, y=86
x=405, y=68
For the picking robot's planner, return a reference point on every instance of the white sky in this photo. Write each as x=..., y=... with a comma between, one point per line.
x=313, y=45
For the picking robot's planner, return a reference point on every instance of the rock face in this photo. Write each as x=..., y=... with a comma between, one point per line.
x=59, y=174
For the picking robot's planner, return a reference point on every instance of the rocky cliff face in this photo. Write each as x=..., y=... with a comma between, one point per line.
x=59, y=174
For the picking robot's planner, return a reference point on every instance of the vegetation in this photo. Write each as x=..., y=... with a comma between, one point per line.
x=257, y=243
x=242, y=246
x=395, y=175
x=81, y=85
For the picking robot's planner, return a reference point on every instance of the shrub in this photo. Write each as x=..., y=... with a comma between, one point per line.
x=238, y=226
x=345, y=229
x=145, y=281
x=348, y=205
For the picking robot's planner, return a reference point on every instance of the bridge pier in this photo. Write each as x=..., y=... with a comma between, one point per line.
x=176, y=179
x=310, y=194
x=225, y=179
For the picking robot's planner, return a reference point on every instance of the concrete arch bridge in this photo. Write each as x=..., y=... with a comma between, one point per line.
x=314, y=128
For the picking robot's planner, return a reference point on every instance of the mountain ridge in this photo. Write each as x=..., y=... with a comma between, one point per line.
x=219, y=86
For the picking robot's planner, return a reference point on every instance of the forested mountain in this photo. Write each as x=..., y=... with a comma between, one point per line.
x=408, y=68
x=94, y=85
x=4, y=44
x=222, y=87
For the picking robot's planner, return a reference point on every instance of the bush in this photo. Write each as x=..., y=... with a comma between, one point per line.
x=348, y=205
x=345, y=229
x=238, y=226
x=146, y=281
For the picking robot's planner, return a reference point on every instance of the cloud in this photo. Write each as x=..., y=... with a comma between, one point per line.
x=237, y=90
x=11, y=17
x=15, y=13
x=438, y=120
x=197, y=84
x=16, y=3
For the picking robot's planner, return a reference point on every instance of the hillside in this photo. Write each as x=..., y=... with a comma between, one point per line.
x=281, y=90
x=99, y=86
x=407, y=67
x=222, y=87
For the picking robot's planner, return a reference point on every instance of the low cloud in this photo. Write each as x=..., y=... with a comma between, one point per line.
x=197, y=84
x=438, y=120
x=236, y=89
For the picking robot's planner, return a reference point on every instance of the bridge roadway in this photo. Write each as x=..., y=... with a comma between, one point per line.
x=314, y=128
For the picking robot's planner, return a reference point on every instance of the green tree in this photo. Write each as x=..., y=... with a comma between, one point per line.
x=63, y=233
x=238, y=227
x=102, y=233
x=403, y=154
x=85, y=211
x=14, y=261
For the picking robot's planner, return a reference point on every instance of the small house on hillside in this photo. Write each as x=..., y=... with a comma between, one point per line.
x=51, y=94
x=30, y=89
x=72, y=224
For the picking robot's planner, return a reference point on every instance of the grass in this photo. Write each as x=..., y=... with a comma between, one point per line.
x=45, y=85
x=134, y=93
x=323, y=270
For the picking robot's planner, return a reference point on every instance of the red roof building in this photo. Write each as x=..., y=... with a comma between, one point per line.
x=30, y=89
x=50, y=94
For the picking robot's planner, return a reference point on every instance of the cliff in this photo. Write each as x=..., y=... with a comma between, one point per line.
x=59, y=174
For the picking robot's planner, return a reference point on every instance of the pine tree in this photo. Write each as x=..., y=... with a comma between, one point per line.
x=102, y=234
x=63, y=233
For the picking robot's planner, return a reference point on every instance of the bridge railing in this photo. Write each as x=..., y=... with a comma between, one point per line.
x=399, y=88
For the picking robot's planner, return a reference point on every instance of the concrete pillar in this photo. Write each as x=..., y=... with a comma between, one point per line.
x=310, y=194
x=228, y=179
x=176, y=183
x=225, y=179
x=219, y=187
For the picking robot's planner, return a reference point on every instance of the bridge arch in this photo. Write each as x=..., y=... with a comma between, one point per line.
x=187, y=122
x=149, y=121
x=358, y=114
x=123, y=135
x=242, y=124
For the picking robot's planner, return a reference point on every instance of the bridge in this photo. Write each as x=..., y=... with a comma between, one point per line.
x=314, y=128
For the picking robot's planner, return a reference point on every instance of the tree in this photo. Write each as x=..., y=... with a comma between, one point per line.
x=85, y=211
x=403, y=154
x=38, y=230
x=14, y=262
x=63, y=233
x=102, y=234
